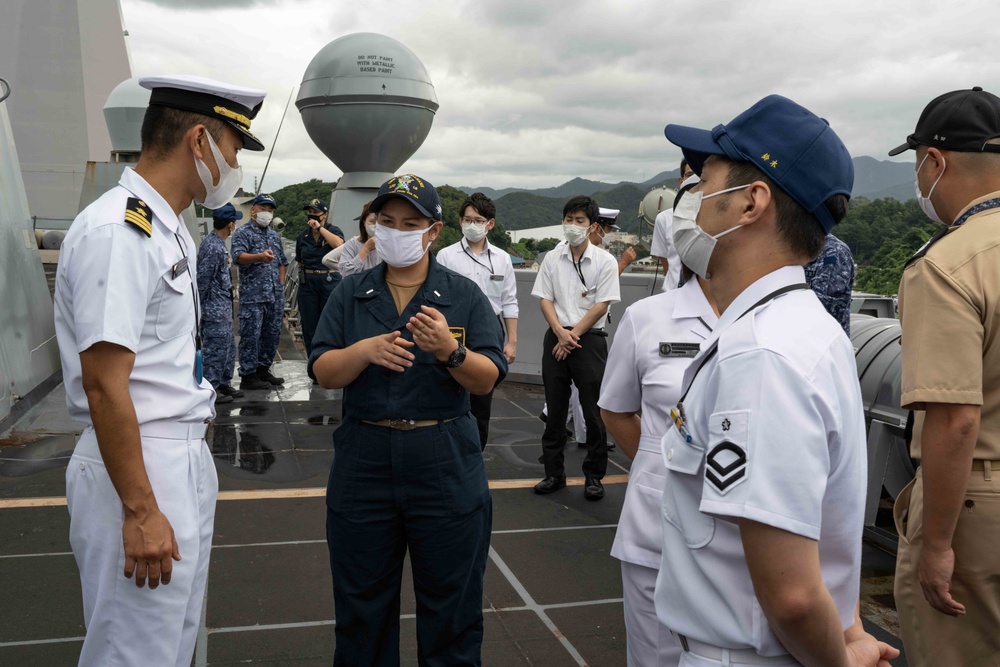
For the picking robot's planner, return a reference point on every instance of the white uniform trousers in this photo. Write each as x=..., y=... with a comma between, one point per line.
x=127, y=625
x=649, y=642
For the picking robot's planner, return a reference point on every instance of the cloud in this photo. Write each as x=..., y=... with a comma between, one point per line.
x=534, y=93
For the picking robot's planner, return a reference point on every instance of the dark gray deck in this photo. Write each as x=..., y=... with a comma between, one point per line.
x=553, y=593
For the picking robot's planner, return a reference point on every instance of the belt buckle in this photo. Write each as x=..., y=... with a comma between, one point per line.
x=402, y=424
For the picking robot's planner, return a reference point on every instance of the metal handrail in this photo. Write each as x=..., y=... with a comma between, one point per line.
x=4, y=89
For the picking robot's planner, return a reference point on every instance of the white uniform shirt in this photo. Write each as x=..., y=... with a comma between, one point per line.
x=114, y=284
x=663, y=246
x=572, y=295
x=492, y=270
x=655, y=341
x=777, y=436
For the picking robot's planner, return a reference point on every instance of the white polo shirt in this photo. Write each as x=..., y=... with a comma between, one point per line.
x=777, y=436
x=663, y=246
x=655, y=341
x=573, y=293
x=491, y=269
x=114, y=284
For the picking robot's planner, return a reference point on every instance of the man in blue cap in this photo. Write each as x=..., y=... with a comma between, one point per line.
x=215, y=290
x=258, y=251
x=766, y=462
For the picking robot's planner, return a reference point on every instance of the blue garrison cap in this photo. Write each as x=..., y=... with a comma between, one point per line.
x=413, y=189
x=264, y=199
x=227, y=213
x=795, y=148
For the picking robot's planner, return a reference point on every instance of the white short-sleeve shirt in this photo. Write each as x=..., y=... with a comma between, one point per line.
x=491, y=269
x=114, y=284
x=655, y=342
x=777, y=433
x=663, y=246
x=573, y=294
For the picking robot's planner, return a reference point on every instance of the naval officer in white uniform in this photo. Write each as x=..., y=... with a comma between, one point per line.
x=655, y=342
x=141, y=484
x=766, y=464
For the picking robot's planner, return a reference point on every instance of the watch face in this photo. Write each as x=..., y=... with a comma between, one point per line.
x=457, y=357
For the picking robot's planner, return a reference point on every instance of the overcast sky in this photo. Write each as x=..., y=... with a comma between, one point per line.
x=536, y=92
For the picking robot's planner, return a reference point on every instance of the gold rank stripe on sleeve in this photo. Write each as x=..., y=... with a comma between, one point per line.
x=139, y=215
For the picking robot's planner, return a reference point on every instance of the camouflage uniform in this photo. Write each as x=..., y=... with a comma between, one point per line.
x=262, y=297
x=831, y=277
x=215, y=293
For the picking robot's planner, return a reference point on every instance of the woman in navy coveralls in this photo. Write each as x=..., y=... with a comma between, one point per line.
x=408, y=341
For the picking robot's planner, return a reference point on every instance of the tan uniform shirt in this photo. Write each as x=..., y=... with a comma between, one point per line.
x=949, y=305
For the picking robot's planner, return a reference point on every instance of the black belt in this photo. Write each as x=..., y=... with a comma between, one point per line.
x=313, y=272
x=597, y=331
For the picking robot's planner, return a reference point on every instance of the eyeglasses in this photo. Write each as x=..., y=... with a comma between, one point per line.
x=474, y=221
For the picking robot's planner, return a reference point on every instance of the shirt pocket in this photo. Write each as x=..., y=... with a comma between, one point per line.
x=683, y=488
x=494, y=288
x=175, y=311
x=648, y=498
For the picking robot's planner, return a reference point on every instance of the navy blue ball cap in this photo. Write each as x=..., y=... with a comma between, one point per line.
x=797, y=150
x=413, y=189
x=264, y=199
x=227, y=213
x=317, y=204
x=962, y=121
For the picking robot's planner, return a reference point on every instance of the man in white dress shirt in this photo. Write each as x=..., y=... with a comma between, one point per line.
x=489, y=267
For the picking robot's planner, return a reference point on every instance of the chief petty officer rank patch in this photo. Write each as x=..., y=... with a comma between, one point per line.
x=139, y=215
x=726, y=463
x=458, y=333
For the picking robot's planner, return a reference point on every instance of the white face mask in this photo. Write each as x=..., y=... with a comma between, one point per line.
x=370, y=229
x=608, y=239
x=263, y=218
x=216, y=196
x=694, y=244
x=400, y=249
x=925, y=202
x=473, y=232
x=575, y=235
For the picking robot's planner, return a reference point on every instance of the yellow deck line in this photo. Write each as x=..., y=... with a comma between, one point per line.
x=316, y=492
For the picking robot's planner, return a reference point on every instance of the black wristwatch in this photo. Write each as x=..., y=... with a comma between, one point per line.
x=456, y=358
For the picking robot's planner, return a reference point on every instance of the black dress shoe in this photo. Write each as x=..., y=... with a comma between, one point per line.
x=265, y=374
x=593, y=490
x=611, y=446
x=550, y=484
x=222, y=398
x=226, y=390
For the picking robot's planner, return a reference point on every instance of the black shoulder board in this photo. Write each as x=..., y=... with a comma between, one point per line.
x=927, y=246
x=139, y=215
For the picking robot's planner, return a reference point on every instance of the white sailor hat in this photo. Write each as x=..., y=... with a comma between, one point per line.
x=606, y=217
x=235, y=105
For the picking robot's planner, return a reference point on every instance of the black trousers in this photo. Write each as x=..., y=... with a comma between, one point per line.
x=314, y=290
x=584, y=367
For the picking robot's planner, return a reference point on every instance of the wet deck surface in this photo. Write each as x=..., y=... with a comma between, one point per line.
x=552, y=595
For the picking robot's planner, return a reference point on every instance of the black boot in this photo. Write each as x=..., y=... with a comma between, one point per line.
x=264, y=373
x=252, y=382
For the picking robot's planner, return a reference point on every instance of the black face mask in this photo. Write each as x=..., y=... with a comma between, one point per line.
x=313, y=217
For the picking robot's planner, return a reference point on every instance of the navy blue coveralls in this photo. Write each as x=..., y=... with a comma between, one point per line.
x=423, y=490
x=316, y=282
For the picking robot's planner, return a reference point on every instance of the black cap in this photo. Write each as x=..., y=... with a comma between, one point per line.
x=413, y=189
x=317, y=204
x=962, y=121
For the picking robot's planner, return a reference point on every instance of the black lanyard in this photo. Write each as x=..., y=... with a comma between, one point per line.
x=194, y=298
x=715, y=346
x=489, y=257
x=579, y=269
